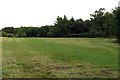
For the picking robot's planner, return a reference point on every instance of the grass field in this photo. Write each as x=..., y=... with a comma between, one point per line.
x=59, y=58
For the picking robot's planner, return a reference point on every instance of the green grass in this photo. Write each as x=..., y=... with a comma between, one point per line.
x=59, y=57
x=0, y=58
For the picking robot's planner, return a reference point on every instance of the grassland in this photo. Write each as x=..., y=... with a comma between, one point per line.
x=0, y=58
x=59, y=58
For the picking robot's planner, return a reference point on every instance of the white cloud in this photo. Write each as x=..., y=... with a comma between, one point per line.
x=42, y=12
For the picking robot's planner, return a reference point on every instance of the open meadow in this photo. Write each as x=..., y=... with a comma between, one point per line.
x=59, y=58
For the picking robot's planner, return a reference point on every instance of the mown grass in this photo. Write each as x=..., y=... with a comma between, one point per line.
x=0, y=58
x=59, y=58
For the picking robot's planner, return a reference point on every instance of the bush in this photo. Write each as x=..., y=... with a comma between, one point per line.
x=78, y=35
x=10, y=35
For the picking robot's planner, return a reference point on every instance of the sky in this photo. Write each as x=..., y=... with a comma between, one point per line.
x=38, y=13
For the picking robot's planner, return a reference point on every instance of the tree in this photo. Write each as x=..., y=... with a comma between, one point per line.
x=98, y=20
x=109, y=24
x=51, y=32
x=101, y=24
x=116, y=14
x=78, y=27
x=62, y=27
x=20, y=33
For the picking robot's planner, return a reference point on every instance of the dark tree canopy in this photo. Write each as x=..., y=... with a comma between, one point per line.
x=101, y=24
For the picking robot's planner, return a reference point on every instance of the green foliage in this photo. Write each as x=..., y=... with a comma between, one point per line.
x=20, y=33
x=93, y=34
x=109, y=24
x=0, y=33
x=10, y=35
x=117, y=26
x=82, y=35
x=4, y=34
x=78, y=27
x=101, y=24
x=98, y=20
x=62, y=27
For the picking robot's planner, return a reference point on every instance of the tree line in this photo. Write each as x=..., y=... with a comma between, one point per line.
x=101, y=24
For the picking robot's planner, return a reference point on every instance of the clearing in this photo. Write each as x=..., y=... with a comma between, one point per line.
x=59, y=58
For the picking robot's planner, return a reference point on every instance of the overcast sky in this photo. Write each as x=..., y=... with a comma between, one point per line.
x=18, y=13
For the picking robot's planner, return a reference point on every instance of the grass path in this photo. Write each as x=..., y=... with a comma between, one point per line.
x=59, y=57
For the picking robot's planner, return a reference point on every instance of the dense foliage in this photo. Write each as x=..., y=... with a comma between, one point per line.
x=101, y=24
